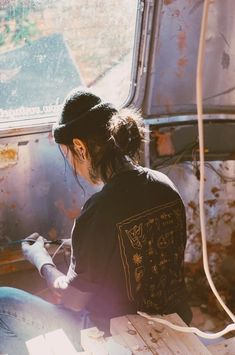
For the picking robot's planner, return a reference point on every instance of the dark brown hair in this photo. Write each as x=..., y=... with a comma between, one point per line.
x=111, y=136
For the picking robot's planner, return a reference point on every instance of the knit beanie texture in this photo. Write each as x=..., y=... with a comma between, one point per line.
x=83, y=115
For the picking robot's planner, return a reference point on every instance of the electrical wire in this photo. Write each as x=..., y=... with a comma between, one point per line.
x=58, y=249
x=176, y=157
x=195, y=330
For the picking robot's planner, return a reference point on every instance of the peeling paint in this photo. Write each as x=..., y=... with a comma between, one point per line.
x=231, y=204
x=181, y=63
x=215, y=189
x=227, y=217
x=168, y=2
x=166, y=102
x=164, y=145
x=181, y=40
x=8, y=155
x=225, y=61
x=176, y=13
x=211, y=202
x=69, y=213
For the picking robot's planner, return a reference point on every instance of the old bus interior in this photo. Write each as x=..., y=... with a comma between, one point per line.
x=174, y=61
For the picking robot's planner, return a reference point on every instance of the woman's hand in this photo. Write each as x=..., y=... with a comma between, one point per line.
x=35, y=253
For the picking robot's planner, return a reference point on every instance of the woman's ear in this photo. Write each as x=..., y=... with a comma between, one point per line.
x=80, y=147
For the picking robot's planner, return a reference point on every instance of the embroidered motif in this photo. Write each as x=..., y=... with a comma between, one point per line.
x=155, y=269
x=162, y=242
x=150, y=248
x=136, y=236
x=150, y=276
x=139, y=273
x=137, y=259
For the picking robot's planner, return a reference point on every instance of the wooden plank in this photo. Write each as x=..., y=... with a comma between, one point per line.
x=162, y=339
x=93, y=342
x=158, y=337
x=125, y=334
x=115, y=348
x=191, y=341
x=226, y=347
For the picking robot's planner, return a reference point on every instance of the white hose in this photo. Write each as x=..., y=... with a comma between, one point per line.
x=195, y=330
x=200, y=62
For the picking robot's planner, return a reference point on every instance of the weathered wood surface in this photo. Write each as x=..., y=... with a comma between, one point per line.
x=131, y=335
x=156, y=338
x=227, y=347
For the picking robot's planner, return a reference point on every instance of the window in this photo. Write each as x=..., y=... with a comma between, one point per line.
x=48, y=47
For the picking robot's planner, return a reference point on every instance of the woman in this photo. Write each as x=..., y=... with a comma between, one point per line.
x=127, y=245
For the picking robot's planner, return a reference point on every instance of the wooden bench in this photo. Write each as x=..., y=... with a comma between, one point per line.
x=131, y=335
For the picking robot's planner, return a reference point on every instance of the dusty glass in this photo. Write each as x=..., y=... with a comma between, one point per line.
x=48, y=47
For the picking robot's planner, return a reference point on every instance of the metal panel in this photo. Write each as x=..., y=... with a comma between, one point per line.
x=37, y=192
x=175, y=143
x=171, y=87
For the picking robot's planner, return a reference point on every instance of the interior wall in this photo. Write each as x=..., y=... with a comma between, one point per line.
x=38, y=190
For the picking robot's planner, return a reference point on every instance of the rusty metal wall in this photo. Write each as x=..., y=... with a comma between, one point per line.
x=174, y=150
x=169, y=107
x=37, y=192
x=220, y=230
x=171, y=87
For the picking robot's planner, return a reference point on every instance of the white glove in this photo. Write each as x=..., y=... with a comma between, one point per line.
x=36, y=254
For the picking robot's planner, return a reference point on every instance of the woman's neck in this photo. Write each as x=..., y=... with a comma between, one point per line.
x=126, y=164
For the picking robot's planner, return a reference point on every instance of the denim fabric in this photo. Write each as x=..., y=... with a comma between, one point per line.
x=24, y=316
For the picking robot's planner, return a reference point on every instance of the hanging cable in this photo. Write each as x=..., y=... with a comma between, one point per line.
x=199, y=84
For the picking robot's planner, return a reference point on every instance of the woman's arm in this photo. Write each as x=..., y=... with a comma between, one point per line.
x=71, y=297
x=37, y=254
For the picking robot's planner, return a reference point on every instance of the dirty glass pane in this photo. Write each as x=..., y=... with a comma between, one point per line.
x=48, y=47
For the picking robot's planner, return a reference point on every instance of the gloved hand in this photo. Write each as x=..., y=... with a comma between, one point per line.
x=36, y=253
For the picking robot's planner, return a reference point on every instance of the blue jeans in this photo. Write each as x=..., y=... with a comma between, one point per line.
x=24, y=316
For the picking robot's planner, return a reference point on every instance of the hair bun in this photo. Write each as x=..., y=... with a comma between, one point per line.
x=126, y=131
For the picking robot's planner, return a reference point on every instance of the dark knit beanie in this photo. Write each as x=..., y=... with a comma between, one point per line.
x=83, y=115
